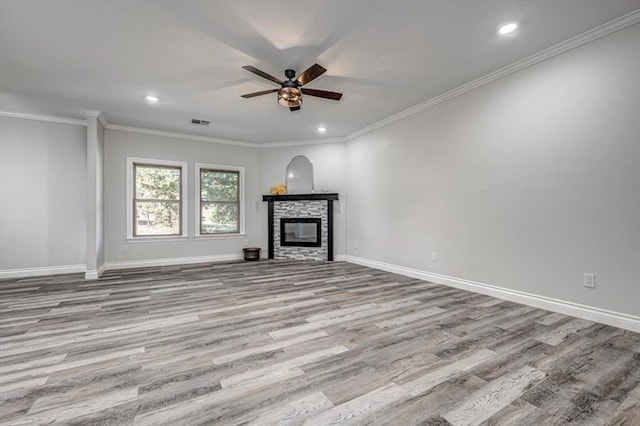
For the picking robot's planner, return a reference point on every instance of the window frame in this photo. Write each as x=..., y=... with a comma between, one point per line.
x=198, y=201
x=131, y=209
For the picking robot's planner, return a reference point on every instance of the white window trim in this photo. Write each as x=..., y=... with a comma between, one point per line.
x=183, y=195
x=240, y=170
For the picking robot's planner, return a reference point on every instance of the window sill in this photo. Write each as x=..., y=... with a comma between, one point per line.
x=221, y=237
x=161, y=239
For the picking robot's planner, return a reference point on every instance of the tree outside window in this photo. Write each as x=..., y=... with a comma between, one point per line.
x=219, y=201
x=157, y=200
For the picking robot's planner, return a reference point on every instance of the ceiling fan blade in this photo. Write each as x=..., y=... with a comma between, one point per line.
x=264, y=92
x=322, y=94
x=262, y=74
x=310, y=74
x=294, y=108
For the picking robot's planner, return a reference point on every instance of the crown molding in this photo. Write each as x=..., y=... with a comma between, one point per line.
x=43, y=117
x=145, y=131
x=189, y=136
x=97, y=114
x=103, y=120
x=579, y=40
x=299, y=143
x=178, y=135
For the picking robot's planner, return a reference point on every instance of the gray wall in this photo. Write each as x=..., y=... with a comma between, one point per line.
x=42, y=194
x=525, y=183
x=119, y=145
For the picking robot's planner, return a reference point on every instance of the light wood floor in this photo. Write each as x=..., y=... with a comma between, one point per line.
x=300, y=343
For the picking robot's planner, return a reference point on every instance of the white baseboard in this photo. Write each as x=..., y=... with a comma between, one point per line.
x=94, y=274
x=42, y=271
x=172, y=261
x=616, y=319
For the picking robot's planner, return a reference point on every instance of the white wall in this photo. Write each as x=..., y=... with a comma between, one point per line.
x=329, y=173
x=525, y=183
x=119, y=145
x=42, y=194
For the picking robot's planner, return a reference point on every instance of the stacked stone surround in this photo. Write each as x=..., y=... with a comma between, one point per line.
x=298, y=209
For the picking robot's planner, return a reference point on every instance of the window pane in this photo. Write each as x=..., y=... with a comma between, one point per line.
x=218, y=186
x=219, y=218
x=157, y=183
x=157, y=218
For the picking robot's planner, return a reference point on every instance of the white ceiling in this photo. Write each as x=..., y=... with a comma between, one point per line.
x=63, y=57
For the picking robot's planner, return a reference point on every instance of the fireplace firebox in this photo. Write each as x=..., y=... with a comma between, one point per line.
x=300, y=232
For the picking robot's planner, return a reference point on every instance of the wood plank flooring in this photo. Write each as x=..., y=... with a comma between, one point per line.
x=292, y=343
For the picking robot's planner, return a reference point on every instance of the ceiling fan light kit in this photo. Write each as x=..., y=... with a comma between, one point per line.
x=290, y=97
x=291, y=90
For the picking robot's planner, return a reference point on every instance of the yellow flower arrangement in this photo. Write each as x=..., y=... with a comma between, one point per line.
x=279, y=189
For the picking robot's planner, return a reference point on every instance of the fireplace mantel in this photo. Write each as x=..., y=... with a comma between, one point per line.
x=328, y=197
x=301, y=197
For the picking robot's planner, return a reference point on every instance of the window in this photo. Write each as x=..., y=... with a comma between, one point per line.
x=220, y=200
x=156, y=205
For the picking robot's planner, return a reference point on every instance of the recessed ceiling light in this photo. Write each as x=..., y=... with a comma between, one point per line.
x=322, y=129
x=151, y=98
x=507, y=28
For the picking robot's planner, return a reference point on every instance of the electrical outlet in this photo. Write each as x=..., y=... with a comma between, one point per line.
x=246, y=242
x=356, y=246
x=589, y=280
x=124, y=248
x=434, y=256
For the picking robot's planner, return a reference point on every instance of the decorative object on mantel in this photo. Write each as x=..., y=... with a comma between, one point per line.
x=278, y=189
x=299, y=175
x=251, y=254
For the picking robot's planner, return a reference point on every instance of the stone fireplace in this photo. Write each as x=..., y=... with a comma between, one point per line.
x=300, y=226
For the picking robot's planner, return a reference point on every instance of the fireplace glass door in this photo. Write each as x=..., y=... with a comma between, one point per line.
x=300, y=232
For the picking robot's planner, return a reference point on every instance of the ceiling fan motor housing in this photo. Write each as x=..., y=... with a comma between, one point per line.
x=289, y=73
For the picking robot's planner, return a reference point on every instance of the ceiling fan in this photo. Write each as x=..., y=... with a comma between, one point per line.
x=291, y=90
